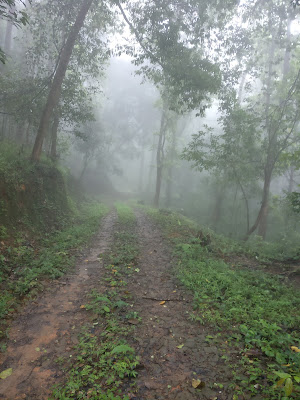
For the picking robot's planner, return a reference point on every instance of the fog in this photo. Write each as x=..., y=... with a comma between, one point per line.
x=192, y=112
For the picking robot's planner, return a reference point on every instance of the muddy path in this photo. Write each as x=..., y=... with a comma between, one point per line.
x=48, y=327
x=173, y=349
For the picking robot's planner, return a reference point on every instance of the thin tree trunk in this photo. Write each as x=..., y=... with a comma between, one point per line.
x=55, y=90
x=8, y=37
x=216, y=215
x=291, y=179
x=141, y=174
x=160, y=158
x=151, y=167
x=55, y=124
x=261, y=220
x=27, y=133
x=3, y=127
x=85, y=164
x=20, y=133
x=8, y=32
x=287, y=53
x=262, y=224
x=169, y=185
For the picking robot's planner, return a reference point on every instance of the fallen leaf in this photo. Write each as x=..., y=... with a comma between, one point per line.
x=5, y=374
x=37, y=349
x=133, y=321
x=162, y=302
x=197, y=383
x=180, y=346
x=83, y=306
x=86, y=260
x=294, y=348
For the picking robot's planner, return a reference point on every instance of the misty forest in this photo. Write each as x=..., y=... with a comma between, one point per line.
x=149, y=199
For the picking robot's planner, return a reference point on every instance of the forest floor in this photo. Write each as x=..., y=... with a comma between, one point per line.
x=118, y=327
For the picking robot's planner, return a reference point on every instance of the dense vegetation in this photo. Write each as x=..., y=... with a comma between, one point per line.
x=40, y=235
x=251, y=310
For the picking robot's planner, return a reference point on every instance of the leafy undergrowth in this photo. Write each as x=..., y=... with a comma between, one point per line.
x=102, y=362
x=103, y=365
x=257, y=314
x=25, y=265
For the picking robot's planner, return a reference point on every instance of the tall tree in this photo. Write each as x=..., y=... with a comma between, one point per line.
x=14, y=17
x=55, y=90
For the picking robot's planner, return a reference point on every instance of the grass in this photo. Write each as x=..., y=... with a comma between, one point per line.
x=25, y=266
x=102, y=361
x=103, y=364
x=256, y=313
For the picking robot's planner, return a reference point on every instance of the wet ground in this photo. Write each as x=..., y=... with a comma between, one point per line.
x=48, y=327
x=174, y=353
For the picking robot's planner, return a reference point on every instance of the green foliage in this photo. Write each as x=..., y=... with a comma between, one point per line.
x=125, y=214
x=24, y=267
x=255, y=308
x=103, y=364
x=16, y=17
x=19, y=179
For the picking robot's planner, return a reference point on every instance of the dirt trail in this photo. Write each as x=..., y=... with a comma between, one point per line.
x=169, y=367
x=48, y=328
x=173, y=349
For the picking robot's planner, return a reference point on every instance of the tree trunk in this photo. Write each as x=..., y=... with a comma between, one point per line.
x=291, y=179
x=262, y=224
x=27, y=133
x=151, y=167
x=160, y=158
x=8, y=32
x=8, y=36
x=85, y=164
x=53, y=154
x=141, y=173
x=55, y=90
x=169, y=186
x=261, y=220
x=287, y=53
x=216, y=215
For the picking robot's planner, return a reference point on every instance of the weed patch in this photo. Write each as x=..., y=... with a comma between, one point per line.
x=103, y=362
x=24, y=266
x=259, y=314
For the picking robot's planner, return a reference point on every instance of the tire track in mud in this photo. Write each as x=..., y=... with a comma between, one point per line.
x=168, y=370
x=48, y=327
